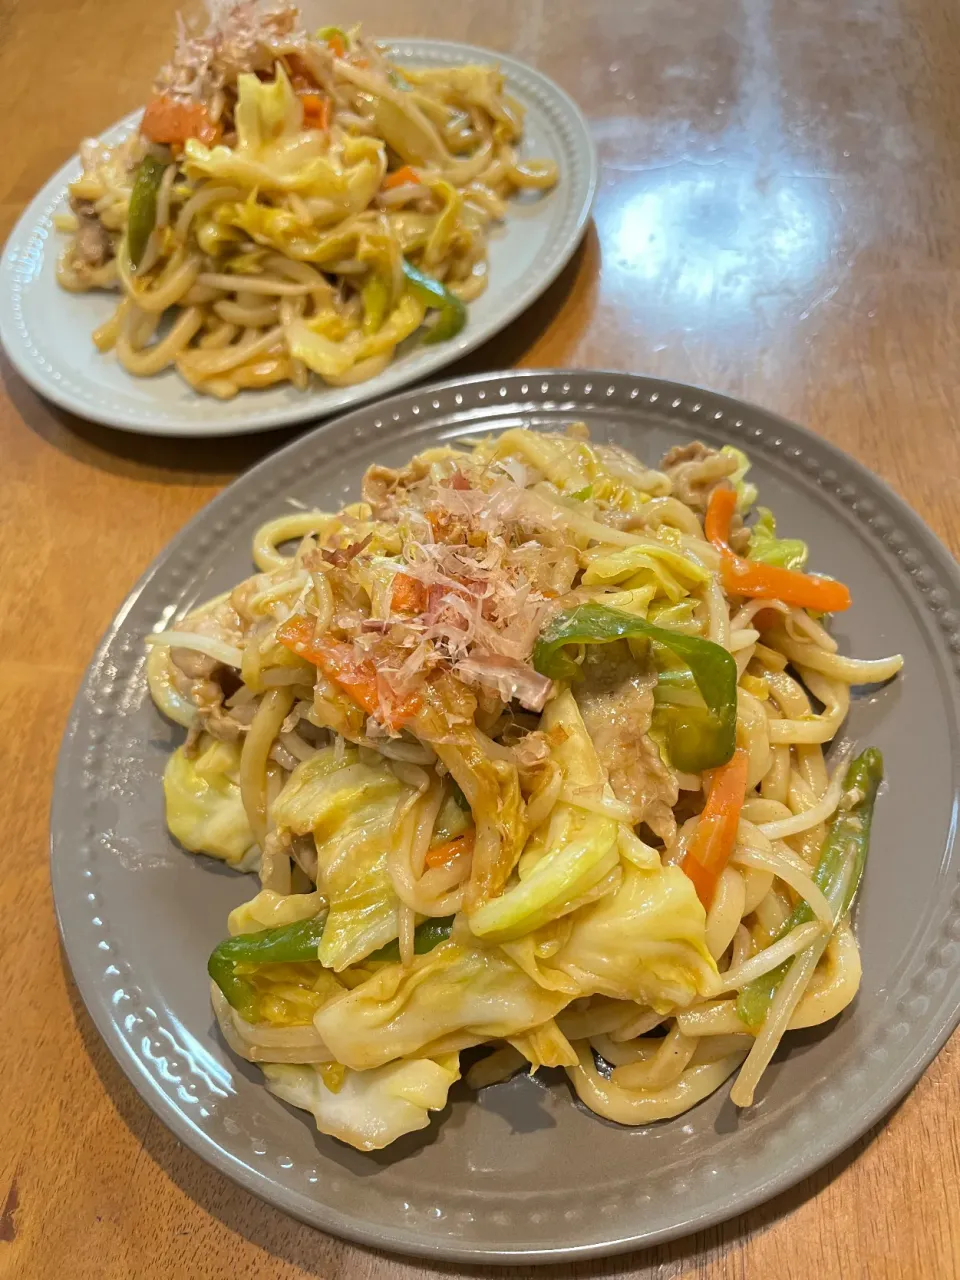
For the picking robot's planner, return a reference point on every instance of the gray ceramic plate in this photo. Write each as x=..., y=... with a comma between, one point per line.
x=46, y=331
x=522, y=1172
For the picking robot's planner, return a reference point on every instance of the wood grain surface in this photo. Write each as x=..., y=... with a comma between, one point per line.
x=777, y=219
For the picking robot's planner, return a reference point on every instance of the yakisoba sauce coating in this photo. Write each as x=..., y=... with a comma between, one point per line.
x=527, y=749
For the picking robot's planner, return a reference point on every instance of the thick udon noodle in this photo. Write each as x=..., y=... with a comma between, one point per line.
x=793, y=695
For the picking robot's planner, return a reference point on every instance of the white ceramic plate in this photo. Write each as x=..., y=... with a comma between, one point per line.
x=46, y=331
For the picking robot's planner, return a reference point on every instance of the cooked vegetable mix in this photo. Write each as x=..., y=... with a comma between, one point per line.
x=142, y=214
x=766, y=579
x=295, y=205
x=289, y=943
x=453, y=313
x=527, y=753
x=699, y=738
x=841, y=863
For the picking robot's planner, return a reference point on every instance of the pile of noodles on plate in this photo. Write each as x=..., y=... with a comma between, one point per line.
x=527, y=749
x=293, y=202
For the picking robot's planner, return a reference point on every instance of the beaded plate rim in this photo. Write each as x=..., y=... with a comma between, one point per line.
x=929, y=1004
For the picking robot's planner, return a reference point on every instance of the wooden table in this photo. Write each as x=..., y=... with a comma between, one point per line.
x=777, y=218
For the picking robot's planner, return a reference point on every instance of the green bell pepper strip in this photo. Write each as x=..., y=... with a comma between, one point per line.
x=426, y=936
x=287, y=943
x=375, y=296
x=453, y=313
x=142, y=212
x=849, y=836
x=697, y=737
x=294, y=943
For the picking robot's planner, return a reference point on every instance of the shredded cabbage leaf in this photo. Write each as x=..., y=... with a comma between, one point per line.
x=672, y=617
x=204, y=809
x=574, y=852
x=788, y=553
x=269, y=909
x=348, y=806
x=368, y=1109
x=545, y=1046
x=746, y=493
x=648, y=564
x=646, y=942
x=454, y=996
x=274, y=152
x=332, y=356
x=290, y=993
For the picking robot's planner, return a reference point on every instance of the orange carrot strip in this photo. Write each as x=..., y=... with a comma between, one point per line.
x=742, y=577
x=716, y=523
x=338, y=661
x=716, y=833
x=166, y=120
x=409, y=595
x=316, y=110
x=336, y=45
x=443, y=854
x=770, y=582
x=400, y=177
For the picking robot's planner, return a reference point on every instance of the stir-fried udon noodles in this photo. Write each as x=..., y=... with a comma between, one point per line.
x=527, y=749
x=293, y=203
